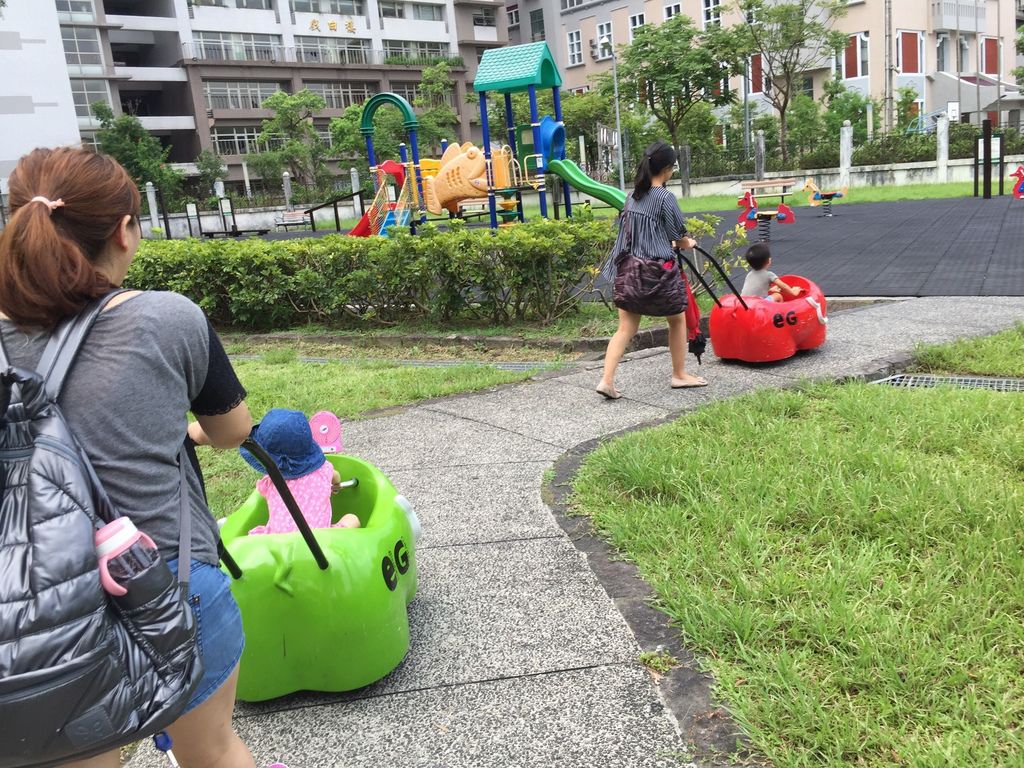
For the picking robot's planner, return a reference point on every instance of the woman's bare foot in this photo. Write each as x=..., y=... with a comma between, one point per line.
x=608, y=391
x=687, y=381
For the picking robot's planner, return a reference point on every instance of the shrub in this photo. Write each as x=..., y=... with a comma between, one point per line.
x=539, y=270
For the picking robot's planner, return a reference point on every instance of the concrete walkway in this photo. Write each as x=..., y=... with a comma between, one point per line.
x=519, y=655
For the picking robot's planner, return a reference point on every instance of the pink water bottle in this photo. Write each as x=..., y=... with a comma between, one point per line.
x=123, y=551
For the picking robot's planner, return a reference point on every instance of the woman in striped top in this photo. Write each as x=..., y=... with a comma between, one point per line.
x=650, y=227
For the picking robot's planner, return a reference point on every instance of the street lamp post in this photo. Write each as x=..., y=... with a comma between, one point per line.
x=607, y=43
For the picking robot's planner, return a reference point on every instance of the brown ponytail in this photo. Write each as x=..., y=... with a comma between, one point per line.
x=48, y=258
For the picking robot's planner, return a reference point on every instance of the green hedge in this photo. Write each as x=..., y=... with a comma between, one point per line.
x=538, y=270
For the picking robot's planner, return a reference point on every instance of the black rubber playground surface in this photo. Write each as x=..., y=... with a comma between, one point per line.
x=950, y=247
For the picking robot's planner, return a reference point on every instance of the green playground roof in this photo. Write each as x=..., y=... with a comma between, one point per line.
x=516, y=67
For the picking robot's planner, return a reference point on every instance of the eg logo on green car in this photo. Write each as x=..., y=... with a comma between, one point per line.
x=399, y=566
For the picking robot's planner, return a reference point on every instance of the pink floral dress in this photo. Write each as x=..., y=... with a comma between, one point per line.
x=312, y=493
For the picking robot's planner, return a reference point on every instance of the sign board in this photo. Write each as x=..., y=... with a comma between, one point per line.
x=192, y=210
x=997, y=149
x=225, y=205
x=953, y=111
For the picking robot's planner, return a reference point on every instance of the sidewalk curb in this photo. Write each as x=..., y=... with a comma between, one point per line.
x=686, y=690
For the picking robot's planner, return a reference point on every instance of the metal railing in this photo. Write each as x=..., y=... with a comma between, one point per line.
x=255, y=52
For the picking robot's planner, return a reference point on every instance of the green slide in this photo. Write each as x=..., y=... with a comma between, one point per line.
x=568, y=171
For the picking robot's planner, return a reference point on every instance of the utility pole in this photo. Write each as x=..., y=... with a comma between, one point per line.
x=890, y=122
x=956, y=53
x=977, y=61
x=999, y=64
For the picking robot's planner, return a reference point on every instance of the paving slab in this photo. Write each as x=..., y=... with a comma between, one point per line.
x=531, y=722
x=476, y=504
x=500, y=610
x=556, y=414
x=421, y=437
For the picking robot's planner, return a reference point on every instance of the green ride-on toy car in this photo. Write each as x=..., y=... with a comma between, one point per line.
x=324, y=609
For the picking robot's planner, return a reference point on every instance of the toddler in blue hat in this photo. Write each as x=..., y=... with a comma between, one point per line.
x=288, y=439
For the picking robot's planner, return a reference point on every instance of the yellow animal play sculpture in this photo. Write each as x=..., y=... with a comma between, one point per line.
x=463, y=175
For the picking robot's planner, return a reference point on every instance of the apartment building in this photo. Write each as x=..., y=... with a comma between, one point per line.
x=948, y=50
x=196, y=72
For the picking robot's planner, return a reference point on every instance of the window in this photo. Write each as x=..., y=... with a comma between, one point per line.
x=340, y=94
x=990, y=56
x=672, y=10
x=942, y=53
x=853, y=62
x=89, y=141
x=712, y=13
x=81, y=46
x=635, y=22
x=240, y=140
x=513, y=14
x=86, y=93
x=910, y=52
x=237, y=46
x=575, y=44
x=567, y=4
x=75, y=10
x=408, y=52
x=254, y=5
x=537, y=25
x=480, y=54
x=410, y=91
x=424, y=12
x=237, y=94
x=580, y=91
x=332, y=50
x=756, y=80
x=391, y=10
x=484, y=17
x=805, y=86
x=604, y=30
x=343, y=7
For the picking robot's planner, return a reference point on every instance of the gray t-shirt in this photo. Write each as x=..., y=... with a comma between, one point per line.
x=127, y=398
x=758, y=282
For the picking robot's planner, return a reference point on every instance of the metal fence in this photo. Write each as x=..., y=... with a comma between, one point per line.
x=269, y=52
x=706, y=162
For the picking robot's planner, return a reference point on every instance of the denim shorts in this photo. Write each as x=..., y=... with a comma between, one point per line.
x=218, y=627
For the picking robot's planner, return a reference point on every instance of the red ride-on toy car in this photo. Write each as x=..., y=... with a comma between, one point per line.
x=757, y=330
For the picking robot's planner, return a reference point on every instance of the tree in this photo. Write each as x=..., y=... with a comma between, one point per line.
x=140, y=152
x=807, y=124
x=211, y=168
x=791, y=38
x=293, y=137
x=349, y=143
x=671, y=68
x=842, y=104
x=438, y=118
x=1018, y=72
x=906, y=106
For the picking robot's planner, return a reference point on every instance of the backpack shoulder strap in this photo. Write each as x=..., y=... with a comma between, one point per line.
x=65, y=341
x=185, y=523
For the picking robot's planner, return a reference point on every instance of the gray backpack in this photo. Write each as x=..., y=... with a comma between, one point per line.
x=81, y=672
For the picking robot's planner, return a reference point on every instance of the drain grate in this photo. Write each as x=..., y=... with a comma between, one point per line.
x=927, y=381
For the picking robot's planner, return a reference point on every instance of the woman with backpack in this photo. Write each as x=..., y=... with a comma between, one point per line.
x=150, y=359
x=647, y=279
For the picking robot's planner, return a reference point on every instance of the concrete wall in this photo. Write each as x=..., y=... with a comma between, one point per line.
x=36, y=107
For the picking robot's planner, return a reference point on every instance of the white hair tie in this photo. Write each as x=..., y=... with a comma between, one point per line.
x=51, y=204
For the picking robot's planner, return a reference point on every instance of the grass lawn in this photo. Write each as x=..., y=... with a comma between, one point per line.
x=348, y=389
x=847, y=560
x=593, y=320
x=999, y=355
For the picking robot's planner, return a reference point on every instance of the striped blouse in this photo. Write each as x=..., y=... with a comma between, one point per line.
x=654, y=221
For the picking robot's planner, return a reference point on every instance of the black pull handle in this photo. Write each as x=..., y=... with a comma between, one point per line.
x=289, y=501
x=725, y=277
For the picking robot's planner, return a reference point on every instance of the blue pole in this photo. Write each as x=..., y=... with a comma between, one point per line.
x=418, y=177
x=535, y=122
x=510, y=125
x=556, y=96
x=491, y=205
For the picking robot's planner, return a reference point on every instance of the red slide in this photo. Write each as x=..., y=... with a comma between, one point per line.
x=362, y=229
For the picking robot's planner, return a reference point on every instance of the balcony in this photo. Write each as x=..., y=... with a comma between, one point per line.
x=144, y=23
x=335, y=57
x=966, y=15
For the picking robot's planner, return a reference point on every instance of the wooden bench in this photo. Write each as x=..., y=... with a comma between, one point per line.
x=291, y=219
x=780, y=188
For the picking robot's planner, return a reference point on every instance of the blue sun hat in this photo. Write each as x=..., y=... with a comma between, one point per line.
x=286, y=436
